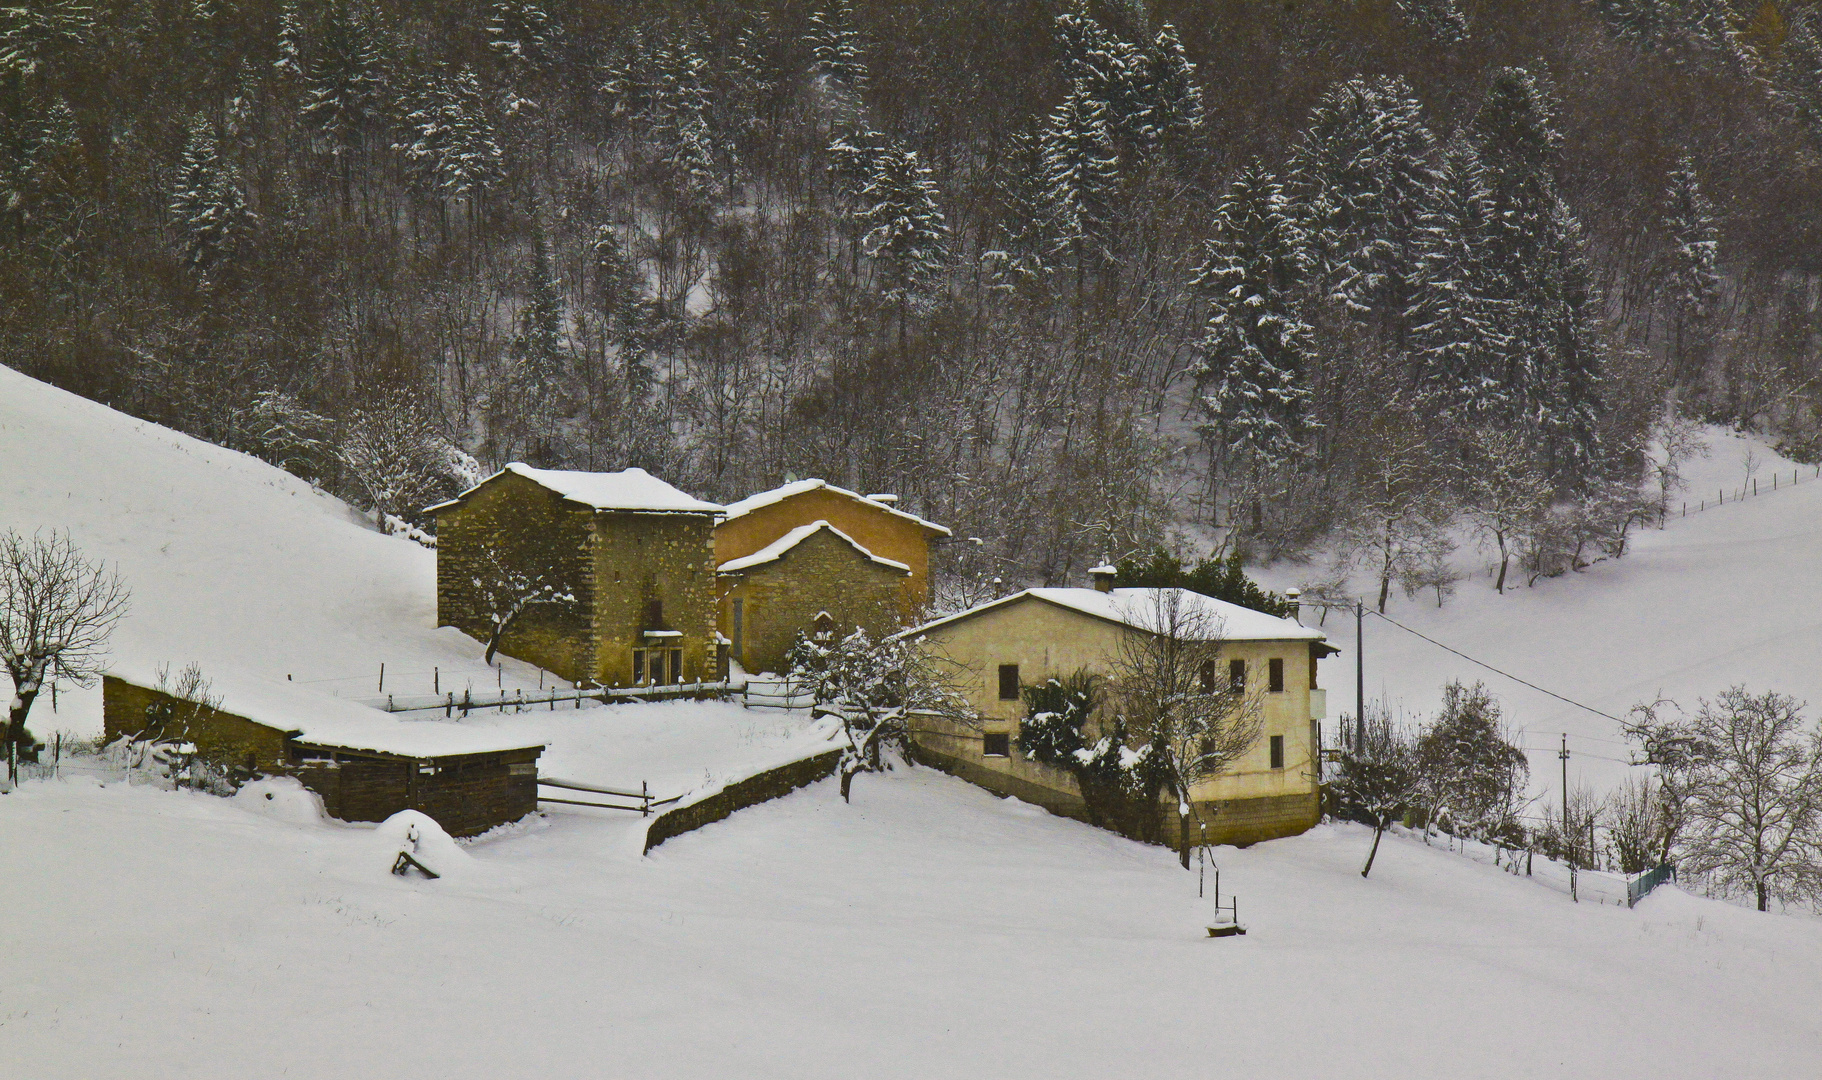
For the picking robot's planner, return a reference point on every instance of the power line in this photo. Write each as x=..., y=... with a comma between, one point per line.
x=1496, y=671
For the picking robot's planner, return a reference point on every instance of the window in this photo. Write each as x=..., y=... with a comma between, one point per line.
x=740, y=612
x=1236, y=675
x=1209, y=685
x=996, y=744
x=1277, y=751
x=676, y=665
x=638, y=666
x=1277, y=674
x=1009, y=682
x=654, y=614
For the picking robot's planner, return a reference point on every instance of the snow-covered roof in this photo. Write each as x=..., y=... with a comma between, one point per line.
x=628, y=489
x=1141, y=609
x=779, y=494
x=320, y=719
x=778, y=547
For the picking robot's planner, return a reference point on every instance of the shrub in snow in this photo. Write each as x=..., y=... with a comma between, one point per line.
x=282, y=797
x=1379, y=780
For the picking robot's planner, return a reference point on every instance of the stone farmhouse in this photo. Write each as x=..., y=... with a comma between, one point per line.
x=1022, y=639
x=625, y=561
x=810, y=557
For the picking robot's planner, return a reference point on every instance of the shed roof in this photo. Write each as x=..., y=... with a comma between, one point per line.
x=628, y=489
x=1140, y=609
x=779, y=494
x=778, y=547
x=323, y=720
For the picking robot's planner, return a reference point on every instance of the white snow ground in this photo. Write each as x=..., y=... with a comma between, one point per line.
x=927, y=930
x=284, y=594
x=1730, y=595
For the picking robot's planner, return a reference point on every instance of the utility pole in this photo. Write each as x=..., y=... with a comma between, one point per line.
x=1570, y=844
x=1359, y=676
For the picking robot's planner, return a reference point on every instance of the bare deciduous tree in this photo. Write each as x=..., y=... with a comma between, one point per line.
x=1379, y=779
x=503, y=592
x=56, y=612
x=1191, y=720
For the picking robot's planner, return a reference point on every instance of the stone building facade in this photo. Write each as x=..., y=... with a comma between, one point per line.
x=632, y=557
x=996, y=649
x=814, y=579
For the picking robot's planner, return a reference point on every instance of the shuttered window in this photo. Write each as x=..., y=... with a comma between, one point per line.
x=1009, y=682
x=1277, y=675
x=1277, y=751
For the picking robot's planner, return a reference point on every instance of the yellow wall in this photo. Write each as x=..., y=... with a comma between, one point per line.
x=781, y=598
x=872, y=526
x=1047, y=640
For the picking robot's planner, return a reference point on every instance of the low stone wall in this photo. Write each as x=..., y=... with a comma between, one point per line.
x=755, y=789
x=1230, y=821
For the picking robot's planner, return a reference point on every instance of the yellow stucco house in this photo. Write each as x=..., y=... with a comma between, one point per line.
x=811, y=556
x=995, y=649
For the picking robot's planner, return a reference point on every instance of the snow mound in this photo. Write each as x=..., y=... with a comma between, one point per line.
x=282, y=797
x=419, y=835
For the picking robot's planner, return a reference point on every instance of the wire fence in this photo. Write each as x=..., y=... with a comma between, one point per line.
x=1578, y=883
x=1749, y=488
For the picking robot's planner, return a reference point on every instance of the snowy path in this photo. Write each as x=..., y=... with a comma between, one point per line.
x=927, y=930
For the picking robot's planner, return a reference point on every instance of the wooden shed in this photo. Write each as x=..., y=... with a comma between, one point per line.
x=365, y=769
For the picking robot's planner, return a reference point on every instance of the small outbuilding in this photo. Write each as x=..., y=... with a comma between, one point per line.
x=809, y=549
x=364, y=768
x=617, y=571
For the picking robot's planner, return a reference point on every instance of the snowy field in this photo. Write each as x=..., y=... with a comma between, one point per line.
x=1730, y=595
x=928, y=930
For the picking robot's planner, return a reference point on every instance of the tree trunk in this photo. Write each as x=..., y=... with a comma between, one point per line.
x=1385, y=586
x=1763, y=897
x=1373, y=854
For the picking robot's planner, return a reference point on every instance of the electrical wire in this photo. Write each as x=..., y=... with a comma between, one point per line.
x=1496, y=671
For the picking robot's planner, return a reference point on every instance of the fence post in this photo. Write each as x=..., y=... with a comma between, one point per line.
x=449, y=706
x=436, y=680
x=382, y=677
x=389, y=707
x=645, y=799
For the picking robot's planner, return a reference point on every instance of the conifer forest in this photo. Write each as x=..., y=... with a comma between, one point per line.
x=1078, y=279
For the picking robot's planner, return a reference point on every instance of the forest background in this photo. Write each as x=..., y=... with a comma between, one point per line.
x=1079, y=280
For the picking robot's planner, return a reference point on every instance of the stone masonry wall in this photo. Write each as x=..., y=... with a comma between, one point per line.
x=221, y=738
x=783, y=597
x=641, y=558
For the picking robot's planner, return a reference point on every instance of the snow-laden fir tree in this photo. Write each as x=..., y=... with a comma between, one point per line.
x=1111, y=71
x=1255, y=346
x=1554, y=353
x=290, y=33
x=1175, y=114
x=344, y=85
x=29, y=141
x=1690, y=284
x=836, y=48
x=1457, y=340
x=524, y=35
x=1081, y=180
x=451, y=138
x=207, y=205
x=1360, y=173
x=907, y=236
x=32, y=34
x=1441, y=19
x=680, y=106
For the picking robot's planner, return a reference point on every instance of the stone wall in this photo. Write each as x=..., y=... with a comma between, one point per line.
x=221, y=738
x=534, y=530
x=782, y=598
x=739, y=795
x=641, y=558
x=871, y=525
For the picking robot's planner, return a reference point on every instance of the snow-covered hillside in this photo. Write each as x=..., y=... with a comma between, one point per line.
x=1729, y=595
x=286, y=595
x=927, y=930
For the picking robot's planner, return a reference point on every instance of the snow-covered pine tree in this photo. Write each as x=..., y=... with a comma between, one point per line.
x=836, y=48
x=909, y=238
x=681, y=104
x=1255, y=345
x=1554, y=352
x=1456, y=342
x=32, y=34
x=524, y=35
x=1689, y=282
x=451, y=138
x=1176, y=116
x=206, y=203
x=1081, y=180
x=290, y=33
x=28, y=141
x=1113, y=72
x=1360, y=175
x=344, y=84
x=1441, y=19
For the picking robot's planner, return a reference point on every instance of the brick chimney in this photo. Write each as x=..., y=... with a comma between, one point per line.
x=1293, y=597
x=1102, y=576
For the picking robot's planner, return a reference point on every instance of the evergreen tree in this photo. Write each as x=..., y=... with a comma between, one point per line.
x=1113, y=72
x=909, y=238
x=32, y=34
x=1081, y=179
x=540, y=345
x=1176, y=116
x=523, y=35
x=1255, y=345
x=207, y=204
x=344, y=85
x=1689, y=283
x=1441, y=19
x=290, y=33
x=1457, y=341
x=1360, y=173
x=1553, y=352
x=451, y=138
x=680, y=104
x=836, y=47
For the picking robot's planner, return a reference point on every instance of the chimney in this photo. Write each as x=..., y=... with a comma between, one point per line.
x=1293, y=597
x=1102, y=576
x=883, y=499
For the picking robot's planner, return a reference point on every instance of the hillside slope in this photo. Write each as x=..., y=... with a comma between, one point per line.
x=926, y=930
x=1725, y=596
